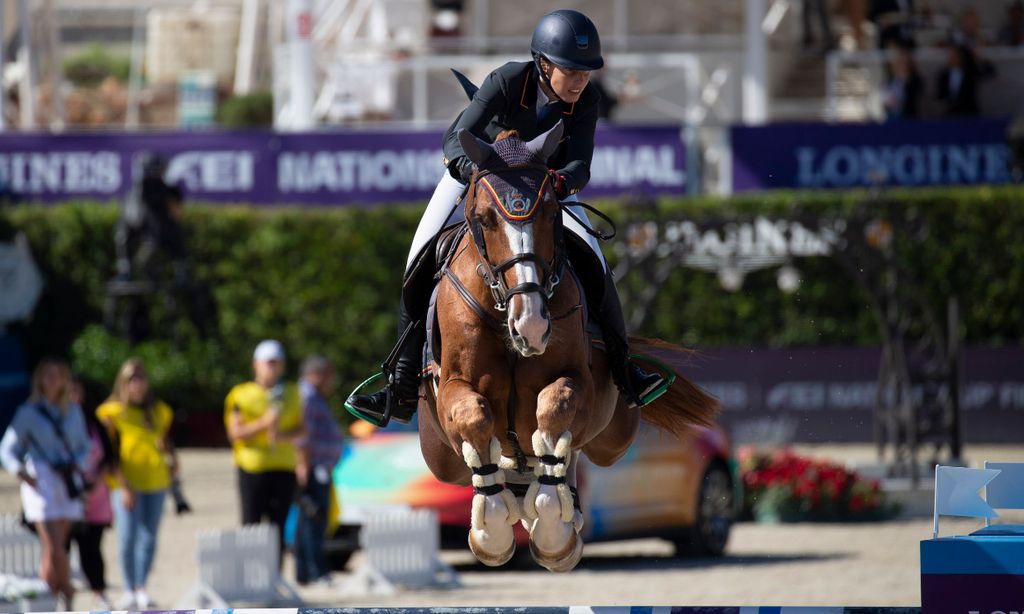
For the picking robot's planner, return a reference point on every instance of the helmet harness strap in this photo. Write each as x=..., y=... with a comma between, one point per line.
x=544, y=76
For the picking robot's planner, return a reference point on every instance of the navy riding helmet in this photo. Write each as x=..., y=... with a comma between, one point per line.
x=569, y=39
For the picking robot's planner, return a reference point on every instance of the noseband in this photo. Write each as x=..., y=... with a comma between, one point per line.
x=493, y=274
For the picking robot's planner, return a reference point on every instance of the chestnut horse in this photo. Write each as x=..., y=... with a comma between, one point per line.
x=520, y=390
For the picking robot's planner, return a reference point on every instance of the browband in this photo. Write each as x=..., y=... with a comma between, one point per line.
x=518, y=207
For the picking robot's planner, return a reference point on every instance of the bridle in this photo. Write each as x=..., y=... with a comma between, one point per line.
x=493, y=274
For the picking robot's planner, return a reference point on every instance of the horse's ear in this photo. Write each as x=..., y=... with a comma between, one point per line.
x=478, y=151
x=546, y=144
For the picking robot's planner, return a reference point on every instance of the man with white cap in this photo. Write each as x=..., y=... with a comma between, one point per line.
x=263, y=419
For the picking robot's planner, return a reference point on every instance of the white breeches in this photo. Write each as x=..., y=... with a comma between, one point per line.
x=443, y=202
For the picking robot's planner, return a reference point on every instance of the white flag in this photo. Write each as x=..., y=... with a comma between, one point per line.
x=956, y=491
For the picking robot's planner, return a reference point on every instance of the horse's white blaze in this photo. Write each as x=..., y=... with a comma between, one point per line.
x=526, y=311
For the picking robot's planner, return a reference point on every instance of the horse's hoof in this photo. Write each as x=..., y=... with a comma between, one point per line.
x=566, y=560
x=491, y=560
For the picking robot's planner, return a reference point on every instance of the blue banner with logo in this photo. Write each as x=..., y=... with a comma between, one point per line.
x=321, y=168
x=907, y=153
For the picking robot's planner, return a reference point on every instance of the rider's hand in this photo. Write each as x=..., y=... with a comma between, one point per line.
x=561, y=191
x=461, y=169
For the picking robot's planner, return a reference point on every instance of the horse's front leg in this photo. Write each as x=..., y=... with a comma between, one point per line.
x=549, y=502
x=470, y=425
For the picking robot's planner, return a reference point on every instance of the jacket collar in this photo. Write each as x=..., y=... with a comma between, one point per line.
x=528, y=99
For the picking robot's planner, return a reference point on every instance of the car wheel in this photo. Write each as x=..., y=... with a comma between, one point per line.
x=715, y=513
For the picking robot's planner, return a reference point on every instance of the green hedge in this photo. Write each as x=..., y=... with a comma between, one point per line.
x=327, y=280
x=247, y=111
x=94, y=64
x=972, y=251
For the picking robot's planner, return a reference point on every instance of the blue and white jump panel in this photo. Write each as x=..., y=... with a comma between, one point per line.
x=548, y=610
x=972, y=573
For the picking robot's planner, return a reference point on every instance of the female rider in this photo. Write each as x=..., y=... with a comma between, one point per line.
x=529, y=97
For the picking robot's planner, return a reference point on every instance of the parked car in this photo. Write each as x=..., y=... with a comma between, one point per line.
x=681, y=490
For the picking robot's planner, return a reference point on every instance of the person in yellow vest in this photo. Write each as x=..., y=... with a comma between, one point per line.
x=264, y=419
x=140, y=426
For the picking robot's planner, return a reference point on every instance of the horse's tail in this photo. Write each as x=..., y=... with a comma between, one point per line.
x=684, y=404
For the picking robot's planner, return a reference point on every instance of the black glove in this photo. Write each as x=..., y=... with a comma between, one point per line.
x=461, y=169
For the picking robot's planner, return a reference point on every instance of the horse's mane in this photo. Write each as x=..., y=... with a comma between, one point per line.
x=506, y=134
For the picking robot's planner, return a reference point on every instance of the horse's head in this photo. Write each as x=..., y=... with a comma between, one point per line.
x=516, y=225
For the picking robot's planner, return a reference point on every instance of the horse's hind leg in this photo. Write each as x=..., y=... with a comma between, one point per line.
x=612, y=443
x=554, y=535
x=495, y=509
x=444, y=462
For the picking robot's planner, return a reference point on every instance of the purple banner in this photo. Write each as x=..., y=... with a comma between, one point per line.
x=909, y=153
x=828, y=394
x=314, y=168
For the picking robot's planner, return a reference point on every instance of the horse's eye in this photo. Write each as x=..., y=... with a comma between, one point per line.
x=486, y=219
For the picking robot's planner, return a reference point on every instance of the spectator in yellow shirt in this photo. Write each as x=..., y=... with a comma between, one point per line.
x=139, y=424
x=264, y=419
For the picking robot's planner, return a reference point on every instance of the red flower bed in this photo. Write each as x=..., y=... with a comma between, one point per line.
x=781, y=486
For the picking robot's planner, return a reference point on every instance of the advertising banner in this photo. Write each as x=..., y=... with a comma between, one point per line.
x=908, y=153
x=322, y=168
x=973, y=573
x=828, y=394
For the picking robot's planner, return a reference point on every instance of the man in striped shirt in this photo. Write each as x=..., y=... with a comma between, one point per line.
x=318, y=454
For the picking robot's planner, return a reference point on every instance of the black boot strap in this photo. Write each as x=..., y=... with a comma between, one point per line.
x=488, y=469
x=493, y=489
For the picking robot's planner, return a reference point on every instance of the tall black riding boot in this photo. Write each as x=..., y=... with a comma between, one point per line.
x=405, y=389
x=634, y=383
x=417, y=284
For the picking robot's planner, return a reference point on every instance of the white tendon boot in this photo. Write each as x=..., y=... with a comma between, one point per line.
x=554, y=534
x=495, y=509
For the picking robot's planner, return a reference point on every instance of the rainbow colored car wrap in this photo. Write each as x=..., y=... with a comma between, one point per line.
x=653, y=490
